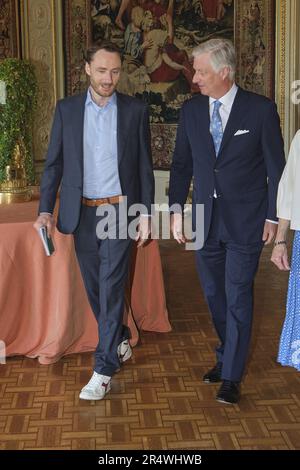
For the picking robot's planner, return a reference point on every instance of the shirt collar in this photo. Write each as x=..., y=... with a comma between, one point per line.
x=112, y=100
x=227, y=99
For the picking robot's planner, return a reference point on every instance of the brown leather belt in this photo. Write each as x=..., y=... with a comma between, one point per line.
x=104, y=200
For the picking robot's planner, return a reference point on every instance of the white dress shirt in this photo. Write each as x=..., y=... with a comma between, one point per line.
x=224, y=110
x=227, y=102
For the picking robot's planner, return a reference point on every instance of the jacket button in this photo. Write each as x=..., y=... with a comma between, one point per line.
x=216, y=170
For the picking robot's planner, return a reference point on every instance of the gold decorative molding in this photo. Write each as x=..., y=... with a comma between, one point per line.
x=280, y=58
x=287, y=65
x=41, y=27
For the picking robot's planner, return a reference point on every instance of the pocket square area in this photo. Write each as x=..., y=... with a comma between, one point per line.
x=240, y=132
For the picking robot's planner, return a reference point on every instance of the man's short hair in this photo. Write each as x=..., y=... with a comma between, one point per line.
x=101, y=46
x=222, y=54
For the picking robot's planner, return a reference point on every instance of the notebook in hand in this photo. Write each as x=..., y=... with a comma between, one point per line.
x=47, y=241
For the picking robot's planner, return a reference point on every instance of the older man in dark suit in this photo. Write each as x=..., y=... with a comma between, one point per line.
x=99, y=151
x=230, y=141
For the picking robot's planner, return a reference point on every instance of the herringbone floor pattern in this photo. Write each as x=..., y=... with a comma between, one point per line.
x=158, y=400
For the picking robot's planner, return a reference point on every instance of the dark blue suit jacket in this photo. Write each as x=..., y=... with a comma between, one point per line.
x=64, y=160
x=245, y=174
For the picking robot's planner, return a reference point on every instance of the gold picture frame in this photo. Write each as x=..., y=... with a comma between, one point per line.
x=9, y=29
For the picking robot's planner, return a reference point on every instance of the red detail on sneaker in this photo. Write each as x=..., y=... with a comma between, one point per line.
x=105, y=385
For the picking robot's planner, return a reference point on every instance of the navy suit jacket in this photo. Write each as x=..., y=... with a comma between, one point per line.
x=246, y=172
x=64, y=160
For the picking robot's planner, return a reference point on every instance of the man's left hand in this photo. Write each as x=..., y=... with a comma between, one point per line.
x=144, y=230
x=269, y=232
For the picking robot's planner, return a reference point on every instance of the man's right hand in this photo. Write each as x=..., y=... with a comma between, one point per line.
x=176, y=228
x=45, y=220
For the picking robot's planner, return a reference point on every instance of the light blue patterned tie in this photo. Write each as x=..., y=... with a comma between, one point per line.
x=216, y=128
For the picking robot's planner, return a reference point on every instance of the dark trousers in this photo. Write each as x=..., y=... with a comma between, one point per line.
x=104, y=268
x=227, y=270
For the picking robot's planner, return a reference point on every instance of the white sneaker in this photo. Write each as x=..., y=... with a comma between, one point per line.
x=96, y=388
x=124, y=351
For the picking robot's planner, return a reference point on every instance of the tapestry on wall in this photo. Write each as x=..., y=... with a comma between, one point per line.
x=255, y=45
x=9, y=38
x=157, y=37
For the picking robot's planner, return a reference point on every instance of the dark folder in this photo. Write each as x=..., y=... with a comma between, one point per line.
x=47, y=241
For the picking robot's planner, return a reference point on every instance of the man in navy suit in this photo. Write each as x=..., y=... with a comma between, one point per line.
x=99, y=152
x=229, y=140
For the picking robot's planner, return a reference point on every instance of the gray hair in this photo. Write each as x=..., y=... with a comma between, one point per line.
x=222, y=54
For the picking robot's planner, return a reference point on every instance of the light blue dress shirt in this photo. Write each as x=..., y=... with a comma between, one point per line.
x=100, y=150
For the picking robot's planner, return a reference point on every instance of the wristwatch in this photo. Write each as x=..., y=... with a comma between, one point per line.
x=280, y=242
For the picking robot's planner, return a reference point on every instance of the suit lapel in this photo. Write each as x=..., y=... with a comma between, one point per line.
x=238, y=112
x=123, y=122
x=77, y=119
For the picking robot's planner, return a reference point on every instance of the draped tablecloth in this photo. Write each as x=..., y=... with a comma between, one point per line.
x=44, y=311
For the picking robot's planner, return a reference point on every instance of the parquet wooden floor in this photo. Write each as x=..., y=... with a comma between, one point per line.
x=158, y=400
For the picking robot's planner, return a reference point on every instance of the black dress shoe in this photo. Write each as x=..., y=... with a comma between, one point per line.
x=213, y=375
x=229, y=392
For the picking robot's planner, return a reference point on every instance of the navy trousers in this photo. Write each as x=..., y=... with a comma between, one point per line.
x=227, y=270
x=104, y=268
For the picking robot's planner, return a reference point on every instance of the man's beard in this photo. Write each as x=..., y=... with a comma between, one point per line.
x=107, y=92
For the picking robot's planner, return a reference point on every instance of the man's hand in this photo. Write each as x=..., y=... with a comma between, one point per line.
x=176, y=228
x=144, y=230
x=269, y=232
x=280, y=257
x=45, y=220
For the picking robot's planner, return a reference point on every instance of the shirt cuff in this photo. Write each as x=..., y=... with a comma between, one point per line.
x=272, y=221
